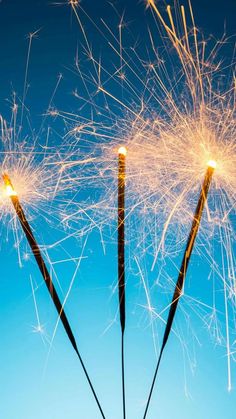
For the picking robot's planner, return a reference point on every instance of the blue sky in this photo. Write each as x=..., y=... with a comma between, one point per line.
x=39, y=385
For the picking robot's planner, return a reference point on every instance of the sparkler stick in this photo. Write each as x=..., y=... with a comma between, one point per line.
x=46, y=276
x=121, y=257
x=184, y=267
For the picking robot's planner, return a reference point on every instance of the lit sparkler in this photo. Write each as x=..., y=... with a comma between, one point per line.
x=184, y=267
x=12, y=194
x=121, y=257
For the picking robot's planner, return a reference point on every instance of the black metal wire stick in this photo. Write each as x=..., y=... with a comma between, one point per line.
x=46, y=276
x=184, y=266
x=121, y=258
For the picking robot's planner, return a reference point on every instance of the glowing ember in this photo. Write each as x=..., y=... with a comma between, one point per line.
x=212, y=164
x=122, y=150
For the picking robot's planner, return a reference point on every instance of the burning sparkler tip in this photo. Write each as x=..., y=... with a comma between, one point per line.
x=212, y=164
x=122, y=150
x=8, y=185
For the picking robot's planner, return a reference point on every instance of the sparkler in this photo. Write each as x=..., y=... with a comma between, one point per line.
x=46, y=276
x=121, y=256
x=184, y=267
x=121, y=234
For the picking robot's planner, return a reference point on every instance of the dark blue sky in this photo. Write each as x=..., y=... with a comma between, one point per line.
x=59, y=36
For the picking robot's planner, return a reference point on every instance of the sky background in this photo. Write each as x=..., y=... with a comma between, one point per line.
x=39, y=385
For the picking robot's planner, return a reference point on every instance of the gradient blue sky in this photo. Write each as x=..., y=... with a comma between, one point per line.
x=33, y=386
